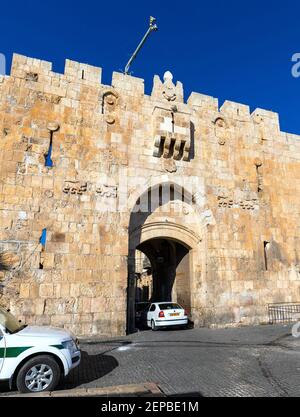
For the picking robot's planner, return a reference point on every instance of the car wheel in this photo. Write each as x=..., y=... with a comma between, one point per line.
x=153, y=327
x=41, y=373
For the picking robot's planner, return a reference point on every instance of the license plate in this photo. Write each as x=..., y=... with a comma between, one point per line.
x=174, y=314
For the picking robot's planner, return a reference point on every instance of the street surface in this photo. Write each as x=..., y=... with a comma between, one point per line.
x=247, y=361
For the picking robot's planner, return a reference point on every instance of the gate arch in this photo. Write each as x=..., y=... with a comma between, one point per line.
x=143, y=229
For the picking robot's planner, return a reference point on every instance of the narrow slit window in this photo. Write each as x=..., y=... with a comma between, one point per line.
x=48, y=160
x=160, y=196
x=266, y=247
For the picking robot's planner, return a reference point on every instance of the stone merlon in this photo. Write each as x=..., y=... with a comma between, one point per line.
x=40, y=71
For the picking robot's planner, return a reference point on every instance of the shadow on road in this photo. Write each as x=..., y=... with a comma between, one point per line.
x=187, y=394
x=91, y=368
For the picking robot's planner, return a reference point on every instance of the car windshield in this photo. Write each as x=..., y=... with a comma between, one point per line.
x=170, y=306
x=9, y=321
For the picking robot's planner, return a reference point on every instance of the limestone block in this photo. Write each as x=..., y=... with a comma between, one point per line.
x=46, y=290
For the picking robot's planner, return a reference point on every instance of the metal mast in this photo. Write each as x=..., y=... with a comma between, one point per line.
x=152, y=27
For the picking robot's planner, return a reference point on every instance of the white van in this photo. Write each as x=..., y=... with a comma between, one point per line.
x=34, y=358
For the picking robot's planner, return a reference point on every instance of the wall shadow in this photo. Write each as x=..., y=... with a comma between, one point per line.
x=91, y=368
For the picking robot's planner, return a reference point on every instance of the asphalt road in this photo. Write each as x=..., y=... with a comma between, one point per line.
x=249, y=361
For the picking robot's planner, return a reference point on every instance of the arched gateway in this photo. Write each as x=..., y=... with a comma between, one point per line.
x=165, y=227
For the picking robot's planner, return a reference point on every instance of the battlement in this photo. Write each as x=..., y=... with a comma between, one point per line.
x=40, y=72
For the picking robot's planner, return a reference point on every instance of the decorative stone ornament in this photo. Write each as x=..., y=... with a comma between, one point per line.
x=170, y=165
x=110, y=119
x=257, y=162
x=221, y=131
x=52, y=126
x=110, y=100
x=167, y=90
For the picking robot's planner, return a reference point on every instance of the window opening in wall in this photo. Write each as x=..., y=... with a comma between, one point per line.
x=259, y=179
x=266, y=247
x=43, y=239
x=48, y=160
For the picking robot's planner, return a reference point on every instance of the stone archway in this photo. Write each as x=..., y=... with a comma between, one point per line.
x=161, y=234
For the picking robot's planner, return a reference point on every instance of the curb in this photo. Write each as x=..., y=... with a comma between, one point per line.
x=147, y=389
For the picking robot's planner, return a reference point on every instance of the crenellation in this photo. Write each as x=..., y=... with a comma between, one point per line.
x=203, y=101
x=131, y=85
x=23, y=66
x=75, y=71
x=235, y=110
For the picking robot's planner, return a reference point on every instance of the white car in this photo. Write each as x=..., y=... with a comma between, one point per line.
x=166, y=314
x=34, y=358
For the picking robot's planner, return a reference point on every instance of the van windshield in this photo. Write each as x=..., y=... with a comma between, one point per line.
x=9, y=321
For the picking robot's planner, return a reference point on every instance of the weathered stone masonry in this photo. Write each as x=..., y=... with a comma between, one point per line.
x=240, y=222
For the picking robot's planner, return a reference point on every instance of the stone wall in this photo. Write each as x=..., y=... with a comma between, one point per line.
x=109, y=145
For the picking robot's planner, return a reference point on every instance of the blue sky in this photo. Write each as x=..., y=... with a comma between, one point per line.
x=234, y=50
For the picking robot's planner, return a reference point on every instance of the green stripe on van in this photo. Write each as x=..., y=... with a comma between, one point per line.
x=13, y=352
x=58, y=346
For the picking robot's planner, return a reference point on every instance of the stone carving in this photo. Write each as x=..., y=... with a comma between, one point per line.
x=226, y=202
x=21, y=168
x=259, y=174
x=48, y=98
x=48, y=193
x=108, y=155
x=261, y=128
x=74, y=187
x=221, y=131
x=167, y=90
x=169, y=165
x=31, y=76
x=110, y=100
x=105, y=190
x=242, y=198
x=110, y=119
x=21, y=224
x=172, y=134
x=52, y=126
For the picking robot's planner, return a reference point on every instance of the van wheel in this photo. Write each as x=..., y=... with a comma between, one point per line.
x=41, y=373
x=153, y=327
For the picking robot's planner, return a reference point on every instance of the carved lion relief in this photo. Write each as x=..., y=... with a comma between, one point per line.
x=74, y=187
